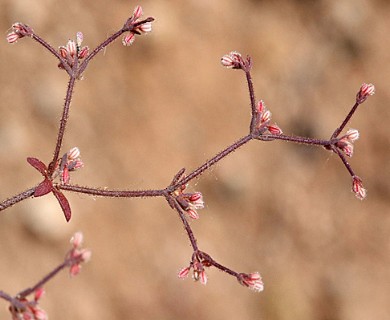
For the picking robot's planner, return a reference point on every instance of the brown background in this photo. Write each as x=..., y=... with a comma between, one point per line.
x=142, y=113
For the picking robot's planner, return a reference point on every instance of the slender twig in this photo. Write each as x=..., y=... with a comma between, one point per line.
x=53, y=51
x=186, y=225
x=63, y=123
x=346, y=120
x=219, y=156
x=40, y=283
x=17, y=198
x=112, y=193
x=296, y=139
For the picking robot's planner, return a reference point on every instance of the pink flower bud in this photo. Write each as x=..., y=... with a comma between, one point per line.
x=203, y=277
x=346, y=146
x=12, y=37
x=357, y=188
x=252, y=281
x=77, y=239
x=79, y=38
x=73, y=153
x=352, y=135
x=183, y=273
x=63, y=52
x=39, y=314
x=260, y=107
x=193, y=214
x=365, y=91
x=196, y=201
x=274, y=129
x=128, y=39
x=71, y=47
x=266, y=116
x=86, y=255
x=83, y=52
x=137, y=13
x=232, y=60
x=145, y=27
x=74, y=269
x=39, y=293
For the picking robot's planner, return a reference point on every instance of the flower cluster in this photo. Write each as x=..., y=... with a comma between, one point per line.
x=19, y=30
x=365, y=91
x=200, y=260
x=136, y=26
x=189, y=202
x=345, y=143
x=357, y=188
x=70, y=161
x=77, y=255
x=263, y=119
x=28, y=310
x=234, y=60
x=73, y=51
x=251, y=280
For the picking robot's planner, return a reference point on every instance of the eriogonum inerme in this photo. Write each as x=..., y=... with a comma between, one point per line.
x=55, y=174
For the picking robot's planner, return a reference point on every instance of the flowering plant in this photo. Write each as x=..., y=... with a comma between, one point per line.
x=73, y=58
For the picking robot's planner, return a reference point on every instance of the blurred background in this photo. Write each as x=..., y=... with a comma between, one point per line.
x=142, y=113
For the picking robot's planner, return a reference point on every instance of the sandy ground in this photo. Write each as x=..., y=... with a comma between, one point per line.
x=142, y=113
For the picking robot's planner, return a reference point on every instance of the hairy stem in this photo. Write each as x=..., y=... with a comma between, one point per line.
x=99, y=48
x=63, y=122
x=213, y=161
x=296, y=139
x=45, y=279
x=252, y=98
x=346, y=120
x=53, y=51
x=186, y=225
x=17, y=198
x=112, y=193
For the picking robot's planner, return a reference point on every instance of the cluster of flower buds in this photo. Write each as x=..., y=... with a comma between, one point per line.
x=365, y=91
x=357, y=188
x=345, y=143
x=189, y=202
x=73, y=50
x=234, y=60
x=263, y=119
x=251, y=280
x=136, y=26
x=19, y=30
x=198, y=264
x=30, y=310
x=77, y=255
x=70, y=161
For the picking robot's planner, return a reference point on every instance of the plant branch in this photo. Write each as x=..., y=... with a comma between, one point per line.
x=52, y=51
x=48, y=277
x=17, y=198
x=63, y=123
x=111, y=193
x=185, y=223
x=213, y=161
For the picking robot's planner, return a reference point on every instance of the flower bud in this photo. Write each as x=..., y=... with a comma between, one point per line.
x=352, y=135
x=128, y=39
x=12, y=37
x=79, y=38
x=365, y=91
x=357, y=188
x=137, y=13
x=145, y=27
x=232, y=60
x=274, y=129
